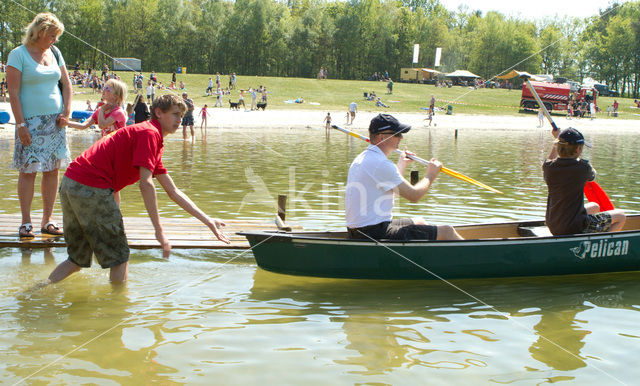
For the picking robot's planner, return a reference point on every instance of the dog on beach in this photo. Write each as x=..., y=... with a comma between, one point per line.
x=261, y=106
x=233, y=105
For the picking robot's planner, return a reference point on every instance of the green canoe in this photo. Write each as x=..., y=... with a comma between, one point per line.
x=489, y=250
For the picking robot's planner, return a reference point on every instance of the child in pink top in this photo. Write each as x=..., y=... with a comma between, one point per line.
x=110, y=116
x=203, y=121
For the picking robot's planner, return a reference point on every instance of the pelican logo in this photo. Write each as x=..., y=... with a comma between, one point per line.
x=601, y=248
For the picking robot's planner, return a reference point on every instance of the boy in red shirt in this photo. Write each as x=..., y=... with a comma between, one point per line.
x=92, y=220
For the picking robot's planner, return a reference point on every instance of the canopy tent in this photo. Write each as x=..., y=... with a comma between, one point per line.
x=462, y=74
x=516, y=74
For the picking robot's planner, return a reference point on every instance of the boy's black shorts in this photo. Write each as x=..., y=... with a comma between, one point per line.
x=401, y=229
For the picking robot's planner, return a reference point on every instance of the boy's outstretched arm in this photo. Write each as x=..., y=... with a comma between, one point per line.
x=554, y=152
x=148, y=191
x=185, y=203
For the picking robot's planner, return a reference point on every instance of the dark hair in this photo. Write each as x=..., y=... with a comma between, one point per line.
x=568, y=150
x=165, y=103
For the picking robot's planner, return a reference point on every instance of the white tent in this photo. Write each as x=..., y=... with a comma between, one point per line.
x=462, y=74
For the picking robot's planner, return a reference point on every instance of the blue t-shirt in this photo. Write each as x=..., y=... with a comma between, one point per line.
x=39, y=92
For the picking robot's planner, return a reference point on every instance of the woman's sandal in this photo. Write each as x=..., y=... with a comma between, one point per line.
x=26, y=231
x=51, y=228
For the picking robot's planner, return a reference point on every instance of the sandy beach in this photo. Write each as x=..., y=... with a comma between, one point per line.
x=313, y=119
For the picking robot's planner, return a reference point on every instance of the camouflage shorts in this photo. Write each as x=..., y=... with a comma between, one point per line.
x=92, y=224
x=599, y=222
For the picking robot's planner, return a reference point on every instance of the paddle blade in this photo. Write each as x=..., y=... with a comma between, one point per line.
x=470, y=180
x=594, y=193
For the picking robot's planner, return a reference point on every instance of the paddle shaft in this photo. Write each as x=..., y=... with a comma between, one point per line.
x=542, y=106
x=423, y=161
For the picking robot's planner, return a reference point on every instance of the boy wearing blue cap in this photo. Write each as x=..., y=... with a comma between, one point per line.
x=566, y=175
x=374, y=181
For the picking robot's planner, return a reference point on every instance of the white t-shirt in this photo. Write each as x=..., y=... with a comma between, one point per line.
x=353, y=106
x=369, y=192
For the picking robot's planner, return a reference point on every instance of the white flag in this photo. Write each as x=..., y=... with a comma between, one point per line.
x=438, y=54
x=416, y=51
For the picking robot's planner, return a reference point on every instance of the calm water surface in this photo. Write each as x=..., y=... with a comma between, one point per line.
x=213, y=317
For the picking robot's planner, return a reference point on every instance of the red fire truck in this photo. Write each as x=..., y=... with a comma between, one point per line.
x=555, y=96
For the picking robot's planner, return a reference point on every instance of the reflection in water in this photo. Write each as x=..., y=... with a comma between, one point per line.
x=392, y=324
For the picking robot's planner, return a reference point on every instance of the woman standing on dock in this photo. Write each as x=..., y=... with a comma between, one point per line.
x=40, y=93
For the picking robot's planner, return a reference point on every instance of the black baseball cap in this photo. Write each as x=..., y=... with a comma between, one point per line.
x=572, y=137
x=386, y=122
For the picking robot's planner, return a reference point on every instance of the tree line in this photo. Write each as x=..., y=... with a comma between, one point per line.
x=351, y=39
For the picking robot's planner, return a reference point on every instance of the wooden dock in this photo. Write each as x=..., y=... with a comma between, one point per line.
x=182, y=233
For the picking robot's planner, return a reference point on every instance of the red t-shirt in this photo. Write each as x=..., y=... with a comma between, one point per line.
x=114, y=161
x=120, y=120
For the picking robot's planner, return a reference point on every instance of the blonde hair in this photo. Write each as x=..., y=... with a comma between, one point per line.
x=42, y=22
x=166, y=102
x=119, y=89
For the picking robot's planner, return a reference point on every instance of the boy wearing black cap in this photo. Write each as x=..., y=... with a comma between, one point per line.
x=373, y=182
x=566, y=174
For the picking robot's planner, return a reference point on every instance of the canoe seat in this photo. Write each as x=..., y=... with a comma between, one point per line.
x=525, y=230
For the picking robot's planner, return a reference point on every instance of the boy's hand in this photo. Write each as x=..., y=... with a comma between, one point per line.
x=215, y=228
x=164, y=243
x=404, y=160
x=433, y=169
x=555, y=133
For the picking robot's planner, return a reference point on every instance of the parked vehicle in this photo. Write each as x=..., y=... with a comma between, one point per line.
x=555, y=96
x=603, y=90
x=575, y=86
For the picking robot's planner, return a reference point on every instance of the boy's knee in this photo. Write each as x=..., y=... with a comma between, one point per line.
x=618, y=215
x=418, y=221
x=445, y=232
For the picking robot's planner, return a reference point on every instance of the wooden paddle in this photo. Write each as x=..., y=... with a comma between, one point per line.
x=592, y=190
x=450, y=172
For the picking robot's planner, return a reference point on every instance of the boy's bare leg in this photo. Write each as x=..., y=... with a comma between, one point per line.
x=618, y=218
x=119, y=272
x=592, y=207
x=445, y=232
x=63, y=270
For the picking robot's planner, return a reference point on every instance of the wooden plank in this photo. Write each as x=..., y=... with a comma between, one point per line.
x=183, y=233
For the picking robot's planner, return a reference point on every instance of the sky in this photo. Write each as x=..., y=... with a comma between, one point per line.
x=536, y=9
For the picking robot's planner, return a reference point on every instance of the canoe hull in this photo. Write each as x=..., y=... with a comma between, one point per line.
x=312, y=255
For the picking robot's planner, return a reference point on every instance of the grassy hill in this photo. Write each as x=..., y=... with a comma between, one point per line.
x=334, y=95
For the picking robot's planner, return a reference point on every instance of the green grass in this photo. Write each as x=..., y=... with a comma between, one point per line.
x=337, y=94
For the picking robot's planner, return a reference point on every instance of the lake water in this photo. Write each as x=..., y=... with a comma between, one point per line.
x=206, y=317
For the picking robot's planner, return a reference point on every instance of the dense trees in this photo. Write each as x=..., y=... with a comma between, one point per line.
x=351, y=38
